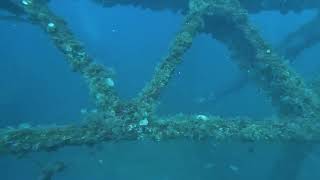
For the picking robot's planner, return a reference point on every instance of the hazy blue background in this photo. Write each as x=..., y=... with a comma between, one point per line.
x=37, y=87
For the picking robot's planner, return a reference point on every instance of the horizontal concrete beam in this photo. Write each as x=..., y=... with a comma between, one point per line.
x=253, y=6
x=198, y=127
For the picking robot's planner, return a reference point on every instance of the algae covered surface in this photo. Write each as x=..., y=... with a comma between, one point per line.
x=190, y=89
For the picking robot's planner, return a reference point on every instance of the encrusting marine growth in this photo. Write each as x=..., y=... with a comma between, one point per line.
x=225, y=20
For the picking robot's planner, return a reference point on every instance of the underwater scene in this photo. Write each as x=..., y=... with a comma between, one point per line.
x=159, y=90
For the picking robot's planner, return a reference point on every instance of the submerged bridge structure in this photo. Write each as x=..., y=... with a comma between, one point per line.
x=227, y=21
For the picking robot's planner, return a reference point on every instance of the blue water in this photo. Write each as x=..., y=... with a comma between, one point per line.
x=38, y=87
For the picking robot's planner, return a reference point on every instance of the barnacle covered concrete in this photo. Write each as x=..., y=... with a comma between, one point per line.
x=96, y=75
x=33, y=139
x=225, y=20
x=253, y=6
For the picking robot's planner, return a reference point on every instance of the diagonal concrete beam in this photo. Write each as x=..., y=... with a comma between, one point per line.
x=270, y=71
x=191, y=26
x=99, y=79
x=305, y=37
x=292, y=46
x=229, y=23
